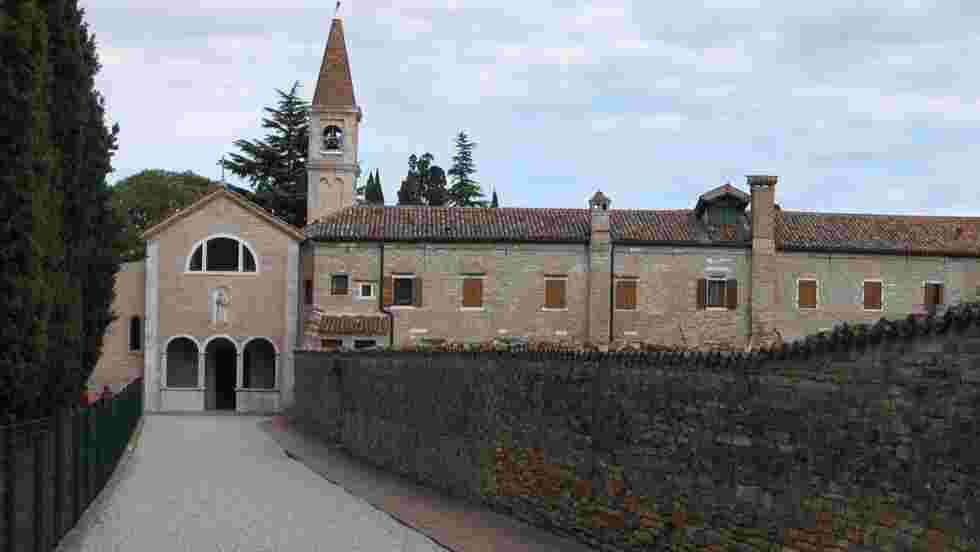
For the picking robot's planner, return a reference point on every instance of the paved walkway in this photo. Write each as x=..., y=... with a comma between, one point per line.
x=454, y=523
x=219, y=483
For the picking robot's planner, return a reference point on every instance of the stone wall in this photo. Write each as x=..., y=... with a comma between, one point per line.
x=863, y=439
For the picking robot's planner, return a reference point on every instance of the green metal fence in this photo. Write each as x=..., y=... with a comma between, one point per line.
x=51, y=469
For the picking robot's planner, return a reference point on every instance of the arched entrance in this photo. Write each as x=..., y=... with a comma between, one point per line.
x=221, y=374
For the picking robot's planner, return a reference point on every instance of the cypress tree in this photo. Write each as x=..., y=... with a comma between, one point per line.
x=494, y=202
x=60, y=254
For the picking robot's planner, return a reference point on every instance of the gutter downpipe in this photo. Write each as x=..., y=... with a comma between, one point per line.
x=381, y=297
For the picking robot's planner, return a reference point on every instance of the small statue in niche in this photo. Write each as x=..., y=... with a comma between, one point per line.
x=219, y=310
x=333, y=138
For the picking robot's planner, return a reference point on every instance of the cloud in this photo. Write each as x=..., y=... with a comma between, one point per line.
x=855, y=107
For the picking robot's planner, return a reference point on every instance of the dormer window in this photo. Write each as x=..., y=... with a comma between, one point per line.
x=222, y=254
x=333, y=138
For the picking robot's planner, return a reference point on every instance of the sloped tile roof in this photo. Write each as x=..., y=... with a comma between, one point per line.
x=919, y=235
x=800, y=231
x=678, y=226
x=424, y=223
x=352, y=325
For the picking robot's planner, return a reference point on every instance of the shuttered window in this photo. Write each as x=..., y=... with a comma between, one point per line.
x=404, y=293
x=872, y=295
x=554, y=293
x=626, y=294
x=807, y=294
x=716, y=293
x=338, y=284
x=933, y=295
x=731, y=294
x=472, y=292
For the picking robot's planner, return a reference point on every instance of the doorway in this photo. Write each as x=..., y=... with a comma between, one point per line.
x=221, y=377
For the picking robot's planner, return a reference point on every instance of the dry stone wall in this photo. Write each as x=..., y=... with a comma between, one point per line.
x=862, y=439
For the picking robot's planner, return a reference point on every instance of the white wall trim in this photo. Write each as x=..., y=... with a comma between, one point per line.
x=151, y=325
x=204, y=349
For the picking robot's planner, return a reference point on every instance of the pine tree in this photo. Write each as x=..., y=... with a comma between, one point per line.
x=464, y=191
x=494, y=203
x=276, y=166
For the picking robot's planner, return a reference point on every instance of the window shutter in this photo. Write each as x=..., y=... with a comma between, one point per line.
x=872, y=295
x=626, y=294
x=561, y=294
x=702, y=290
x=472, y=292
x=808, y=294
x=388, y=291
x=731, y=294
x=620, y=294
x=632, y=294
x=417, y=290
x=939, y=294
x=550, y=294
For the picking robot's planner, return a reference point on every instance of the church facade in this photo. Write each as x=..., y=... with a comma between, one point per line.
x=212, y=317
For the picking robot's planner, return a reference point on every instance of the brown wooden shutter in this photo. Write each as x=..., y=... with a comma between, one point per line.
x=417, y=288
x=472, y=292
x=872, y=295
x=388, y=291
x=550, y=294
x=626, y=294
x=702, y=290
x=939, y=294
x=731, y=294
x=561, y=294
x=808, y=294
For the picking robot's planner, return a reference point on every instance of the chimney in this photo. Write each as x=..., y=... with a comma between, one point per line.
x=763, y=189
x=599, y=306
x=764, y=287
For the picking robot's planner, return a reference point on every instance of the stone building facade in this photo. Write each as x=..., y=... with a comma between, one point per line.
x=735, y=270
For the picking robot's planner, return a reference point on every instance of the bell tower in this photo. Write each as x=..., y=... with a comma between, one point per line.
x=332, y=167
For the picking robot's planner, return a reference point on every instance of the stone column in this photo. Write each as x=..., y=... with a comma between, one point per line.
x=239, y=370
x=201, y=365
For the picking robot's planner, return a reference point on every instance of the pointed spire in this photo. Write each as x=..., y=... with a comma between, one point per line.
x=334, y=86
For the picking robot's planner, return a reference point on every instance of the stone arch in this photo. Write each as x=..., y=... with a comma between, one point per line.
x=221, y=363
x=260, y=363
x=181, y=353
x=200, y=246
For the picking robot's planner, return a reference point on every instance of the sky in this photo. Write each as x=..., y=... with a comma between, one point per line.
x=856, y=109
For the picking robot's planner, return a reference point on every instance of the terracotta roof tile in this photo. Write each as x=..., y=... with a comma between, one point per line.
x=922, y=235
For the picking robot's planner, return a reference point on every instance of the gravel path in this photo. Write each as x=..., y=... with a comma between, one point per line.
x=218, y=483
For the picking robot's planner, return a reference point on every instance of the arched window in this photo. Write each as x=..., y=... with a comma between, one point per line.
x=259, y=365
x=222, y=254
x=135, y=333
x=333, y=138
x=181, y=363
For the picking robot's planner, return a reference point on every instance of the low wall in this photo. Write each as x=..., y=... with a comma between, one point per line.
x=865, y=439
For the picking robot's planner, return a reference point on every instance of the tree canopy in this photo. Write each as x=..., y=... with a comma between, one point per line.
x=143, y=199
x=61, y=247
x=275, y=166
